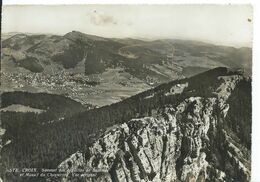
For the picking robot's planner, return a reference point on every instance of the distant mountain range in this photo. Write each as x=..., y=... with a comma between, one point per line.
x=154, y=61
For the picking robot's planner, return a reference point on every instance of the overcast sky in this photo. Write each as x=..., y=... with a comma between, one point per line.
x=219, y=24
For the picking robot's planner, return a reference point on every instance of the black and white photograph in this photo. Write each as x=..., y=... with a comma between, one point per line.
x=126, y=93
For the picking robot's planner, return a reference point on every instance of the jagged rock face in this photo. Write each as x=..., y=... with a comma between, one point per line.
x=187, y=142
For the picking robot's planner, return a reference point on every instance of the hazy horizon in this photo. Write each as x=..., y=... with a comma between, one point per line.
x=139, y=38
x=229, y=25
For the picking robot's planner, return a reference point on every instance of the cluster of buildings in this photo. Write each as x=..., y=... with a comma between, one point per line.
x=72, y=85
x=38, y=79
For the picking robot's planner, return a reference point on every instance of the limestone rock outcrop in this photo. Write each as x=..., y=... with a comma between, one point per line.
x=185, y=142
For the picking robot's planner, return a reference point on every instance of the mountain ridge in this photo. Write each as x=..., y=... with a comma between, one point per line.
x=176, y=144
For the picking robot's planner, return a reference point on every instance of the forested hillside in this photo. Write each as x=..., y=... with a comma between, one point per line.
x=45, y=144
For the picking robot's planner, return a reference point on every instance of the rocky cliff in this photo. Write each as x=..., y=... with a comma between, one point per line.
x=192, y=140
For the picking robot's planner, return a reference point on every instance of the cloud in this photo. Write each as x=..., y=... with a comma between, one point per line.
x=102, y=19
x=129, y=23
